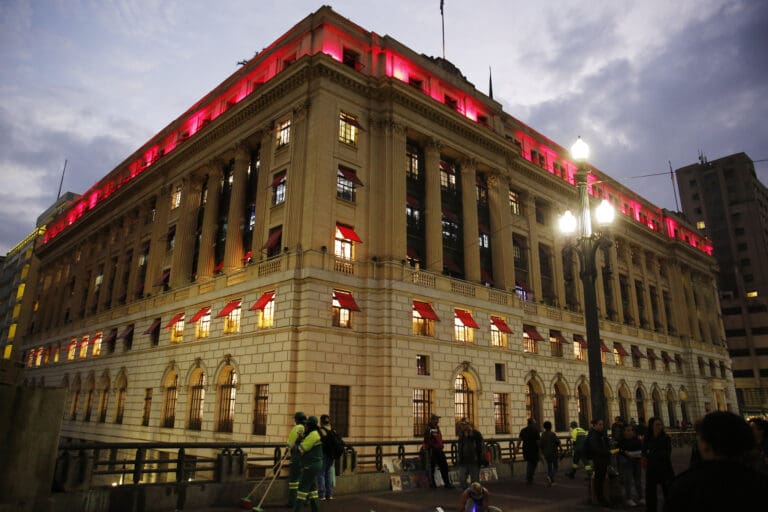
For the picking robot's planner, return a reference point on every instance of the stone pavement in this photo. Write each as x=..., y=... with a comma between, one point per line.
x=510, y=495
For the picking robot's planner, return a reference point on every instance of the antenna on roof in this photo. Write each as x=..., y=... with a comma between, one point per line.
x=242, y=62
x=490, y=83
x=61, y=182
x=442, y=16
x=674, y=190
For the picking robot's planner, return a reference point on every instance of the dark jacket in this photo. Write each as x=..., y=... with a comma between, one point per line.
x=471, y=448
x=629, y=445
x=530, y=437
x=549, y=443
x=433, y=438
x=658, y=451
x=597, y=447
x=717, y=485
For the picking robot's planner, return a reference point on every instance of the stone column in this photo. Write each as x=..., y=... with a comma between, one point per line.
x=395, y=241
x=534, y=271
x=205, y=258
x=181, y=266
x=158, y=240
x=469, y=217
x=690, y=301
x=634, y=306
x=647, y=293
x=434, y=207
x=233, y=250
x=295, y=199
x=600, y=284
x=263, y=192
x=501, y=232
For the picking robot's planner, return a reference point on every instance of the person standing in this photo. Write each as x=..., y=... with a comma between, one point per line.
x=630, y=452
x=598, y=450
x=530, y=438
x=311, y=452
x=433, y=444
x=760, y=431
x=470, y=453
x=294, y=473
x=325, y=479
x=722, y=481
x=657, y=449
x=578, y=438
x=617, y=428
x=549, y=447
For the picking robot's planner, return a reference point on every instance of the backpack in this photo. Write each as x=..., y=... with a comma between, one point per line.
x=333, y=445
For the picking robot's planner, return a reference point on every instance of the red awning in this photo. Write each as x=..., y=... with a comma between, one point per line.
x=636, y=352
x=219, y=267
x=678, y=359
x=152, y=327
x=482, y=228
x=231, y=305
x=346, y=300
x=274, y=237
x=501, y=324
x=532, y=333
x=348, y=233
x=578, y=338
x=263, y=300
x=413, y=254
x=558, y=336
x=449, y=215
x=350, y=175
x=424, y=309
x=110, y=337
x=412, y=201
x=466, y=318
x=603, y=347
x=163, y=277
x=620, y=349
x=451, y=265
x=200, y=314
x=279, y=178
x=175, y=319
x=665, y=357
x=651, y=354
x=127, y=332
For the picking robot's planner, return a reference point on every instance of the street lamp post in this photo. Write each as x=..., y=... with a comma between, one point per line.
x=587, y=244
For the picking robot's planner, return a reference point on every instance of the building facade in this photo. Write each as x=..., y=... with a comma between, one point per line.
x=728, y=203
x=345, y=226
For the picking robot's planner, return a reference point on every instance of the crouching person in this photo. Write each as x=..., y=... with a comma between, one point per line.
x=474, y=499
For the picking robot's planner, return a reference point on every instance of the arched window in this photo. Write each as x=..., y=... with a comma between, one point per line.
x=170, y=391
x=103, y=398
x=122, y=386
x=533, y=402
x=560, y=404
x=196, y=399
x=75, y=397
x=89, y=390
x=464, y=399
x=640, y=403
x=671, y=408
x=656, y=398
x=583, y=404
x=624, y=402
x=226, y=399
x=684, y=406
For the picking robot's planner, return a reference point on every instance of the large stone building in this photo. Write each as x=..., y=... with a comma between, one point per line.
x=347, y=226
x=728, y=203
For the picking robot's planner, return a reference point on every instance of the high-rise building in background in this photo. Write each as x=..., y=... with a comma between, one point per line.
x=729, y=204
x=346, y=226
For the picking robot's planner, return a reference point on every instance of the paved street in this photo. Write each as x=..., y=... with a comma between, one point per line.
x=513, y=495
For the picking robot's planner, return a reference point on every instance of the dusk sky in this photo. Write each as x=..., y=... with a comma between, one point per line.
x=644, y=83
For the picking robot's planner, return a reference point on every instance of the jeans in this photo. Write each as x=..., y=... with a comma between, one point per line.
x=325, y=478
x=652, y=479
x=630, y=472
x=473, y=470
x=530, y=469
x=552, y=469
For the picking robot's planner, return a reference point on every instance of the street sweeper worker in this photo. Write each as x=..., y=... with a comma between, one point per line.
x=311, y=449
x=474, y=499
x=294, y=438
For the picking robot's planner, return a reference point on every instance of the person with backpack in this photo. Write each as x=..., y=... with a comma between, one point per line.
x=294, y=473
x=549, y=448
x=333, y=449
x=578, y=438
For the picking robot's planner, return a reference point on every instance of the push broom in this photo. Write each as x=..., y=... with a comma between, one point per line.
x=246, y=503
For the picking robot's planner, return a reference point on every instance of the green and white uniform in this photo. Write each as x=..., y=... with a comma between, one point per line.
x=311, y=449
x=294, y=475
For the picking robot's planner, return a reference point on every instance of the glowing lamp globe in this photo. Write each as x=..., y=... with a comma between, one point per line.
x=604, y=213
x=567, y=223
x=580, y=150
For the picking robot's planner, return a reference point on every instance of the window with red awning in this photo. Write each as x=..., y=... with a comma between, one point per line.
x=501, y=324
x=424, y=309
x=651, y=354
x=578, y=338
x=637, y=353
x=350, y=175
x=532, y=333
x=179, y=316
x=231, y=306
x=200, y=313
x=348, y=233
x=152, y=327
x=620, y=349
x=466, y=318
x=263, y=300
x=274, y=238
x=346, y=300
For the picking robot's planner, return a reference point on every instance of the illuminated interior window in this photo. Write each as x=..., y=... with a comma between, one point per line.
x=342, y=247
x=232, y=321
x=618, y=358
x=72, y=350
x=20, y=291
x=16, y=311
x=177, y=331
x=176, y=197
x=701, y=225
x=461, y=332
x=203, y=326
x=498, y=338
x=7, y=350
x=278, y=188
x=96, y=342
x=267, y=314
x=752, y=294
x=578, y=352
x=82, y=348
x=348, y=129
x=11, y=332
x=283, y=133
x=514, y=202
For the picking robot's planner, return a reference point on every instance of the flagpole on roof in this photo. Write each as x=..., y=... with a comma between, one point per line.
x=490, y=83
x=442, y=17
x=61, y=182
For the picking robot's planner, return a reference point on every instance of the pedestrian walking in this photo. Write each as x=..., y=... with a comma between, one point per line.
x=475, y=498
x=760, y=456
x=470, y=453
x=598, y=450
x=333, y=448
x=550, y=444
x=433, y=445
x=630, y=453
x=294, y=472
x=657, y=451
x=722, y=481
x=530, y=439
x=578, y=438
x=311, y=452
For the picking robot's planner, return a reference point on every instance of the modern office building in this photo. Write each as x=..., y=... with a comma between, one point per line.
x=346, y=226
x=728, y=203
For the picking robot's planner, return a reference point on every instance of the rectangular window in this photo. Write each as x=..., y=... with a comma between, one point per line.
x=422, y=410
x=283, y=133
x=342, y=317
x=339, y=409
x=346, y=180
x=154, y=333
x=170, y=239
x=618, y=357
x=267, y=314
x=448, y=177
x=120, y=405
x=232, y=321
x=351, y=59
x=500, y=412
x=260, y=409
x=422, y=326
x=462, y=327
x=556, y=348
x=96, y=344
x=169, y=403
x=342, y=246
x=580, y=351
x=501, y=372
x=278, y=188
x=176, y=197
x=348, y=129
x=147, y=407
x=498, y=338
x=422, y=365
x=177, y=331
x=275, y=242
x=203, y=325
x=530, y=339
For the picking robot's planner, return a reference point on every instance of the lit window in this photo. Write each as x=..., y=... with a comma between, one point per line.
x=423, y=319
x=170, y=239
x=278, y=188
x=82, y=349
x=177, y=331
x=579, y=349
x=267, y=315
x=422, y=365
x=484, y=240
x=498, y=338
x=346, y=181
x=11, y=332
x=422, y=410
x=283, y=133
x=343, y=305
x=463, y=326
x=531, y=337
x=72, y=350
x=500, y=412
x=232, y=321
x=203, y=325
x=20, y=291
x=176, y=197
x=618, y=358
x=348, y=129
x=96, y=342
x=343, y=242
x=447, y=177
x=752, y=294
x=514, y=202
x=556, y=348
x=701, y=225
x=413, y=157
